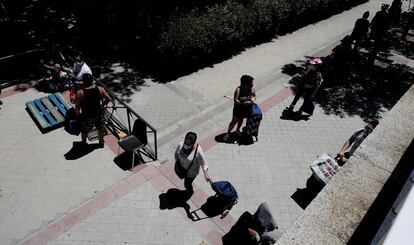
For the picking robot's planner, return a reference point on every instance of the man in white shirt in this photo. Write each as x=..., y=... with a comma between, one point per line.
x=80, y=68
x=191, y=157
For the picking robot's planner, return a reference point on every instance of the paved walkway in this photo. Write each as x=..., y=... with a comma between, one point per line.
x=89, y=200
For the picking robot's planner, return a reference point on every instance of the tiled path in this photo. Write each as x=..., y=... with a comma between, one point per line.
x=89, y=200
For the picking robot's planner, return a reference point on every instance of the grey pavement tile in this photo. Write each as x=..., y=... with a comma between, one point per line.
x=46, y=185
x=269, y=170
x=139, y=225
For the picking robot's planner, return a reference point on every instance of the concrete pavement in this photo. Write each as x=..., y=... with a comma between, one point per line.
x=89, y=200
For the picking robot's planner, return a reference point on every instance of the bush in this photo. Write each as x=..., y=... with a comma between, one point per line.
x=197, y=37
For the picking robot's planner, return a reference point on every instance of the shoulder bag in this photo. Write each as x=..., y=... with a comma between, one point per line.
x=180, y=170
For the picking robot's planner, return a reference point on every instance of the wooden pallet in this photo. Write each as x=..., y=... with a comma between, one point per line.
x=49, y=111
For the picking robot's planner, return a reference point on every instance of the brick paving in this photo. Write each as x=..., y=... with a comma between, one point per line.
x=45, y=198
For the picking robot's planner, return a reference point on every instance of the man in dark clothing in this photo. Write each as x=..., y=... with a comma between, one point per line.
x=408, y=24
x=379, y=27
x=395, y=11
x=379, y=23
x=360, y=29
x=88, y=105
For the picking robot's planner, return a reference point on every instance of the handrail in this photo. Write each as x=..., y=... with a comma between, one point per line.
x=13, y=58
x=123, y=103
x=116, y=123
x=20, y=54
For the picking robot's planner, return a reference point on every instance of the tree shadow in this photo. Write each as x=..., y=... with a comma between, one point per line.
x=399, y=46
x=303, y=197
x=175, y=198
x=394, y=43
x=120, y=77
x=357, y=88
x=79, y=150
x=365, y=91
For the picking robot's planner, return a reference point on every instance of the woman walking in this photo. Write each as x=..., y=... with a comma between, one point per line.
x=189, y=157
x=244, y=97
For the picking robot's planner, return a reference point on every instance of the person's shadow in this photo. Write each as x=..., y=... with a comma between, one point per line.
x=79, y=150
x=243, y=139
x=175, y=198
x=303, y=197
x=293, y=116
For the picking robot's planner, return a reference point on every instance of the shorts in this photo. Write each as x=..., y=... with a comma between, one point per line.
x=87, y=123
x=242, y=111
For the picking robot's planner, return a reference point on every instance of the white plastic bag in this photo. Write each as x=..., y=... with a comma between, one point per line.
x=324, y=168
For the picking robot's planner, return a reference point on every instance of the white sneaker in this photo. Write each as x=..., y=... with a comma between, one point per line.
x=226, y=137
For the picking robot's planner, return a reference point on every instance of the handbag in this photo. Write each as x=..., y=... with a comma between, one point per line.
x=180, y=170
x=72, y=122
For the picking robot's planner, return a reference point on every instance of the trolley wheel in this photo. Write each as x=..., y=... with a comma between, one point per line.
x=224, y=214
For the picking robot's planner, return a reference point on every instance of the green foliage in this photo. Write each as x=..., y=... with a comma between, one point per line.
x=235, y=24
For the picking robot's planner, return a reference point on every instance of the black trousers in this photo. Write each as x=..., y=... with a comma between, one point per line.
x=297, y=97
x=188, y=184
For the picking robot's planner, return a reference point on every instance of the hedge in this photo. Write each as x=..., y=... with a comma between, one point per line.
x=198, y=36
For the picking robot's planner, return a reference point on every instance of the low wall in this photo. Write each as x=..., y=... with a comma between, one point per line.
x=351, y=208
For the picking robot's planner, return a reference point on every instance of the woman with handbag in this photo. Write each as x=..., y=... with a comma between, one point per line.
x=189, y=157
x=244, y=97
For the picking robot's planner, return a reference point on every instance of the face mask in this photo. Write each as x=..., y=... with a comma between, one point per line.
x=78, y=63
x=368, y=129
x=187, y=147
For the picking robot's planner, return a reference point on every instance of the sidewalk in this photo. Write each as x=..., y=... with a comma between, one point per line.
x=89, y=200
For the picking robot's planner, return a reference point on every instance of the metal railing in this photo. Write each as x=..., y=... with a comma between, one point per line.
x=119, y=117
x=117, y=112
x=20, y=54
x=16, y=62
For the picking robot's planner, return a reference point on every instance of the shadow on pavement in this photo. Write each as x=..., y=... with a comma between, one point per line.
x=124, y=160
x=352, y=86
x=303, y=197
x=79, y=150
x=175, y=198
x=235, y=139
x=214, y=206
x=232, y=139
x=293, y=116
x=120, y=77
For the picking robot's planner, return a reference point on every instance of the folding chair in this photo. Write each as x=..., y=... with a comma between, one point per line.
x=136, y=140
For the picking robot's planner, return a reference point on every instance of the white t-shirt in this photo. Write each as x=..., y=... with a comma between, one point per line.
x=81, y=69
x=186, y=160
